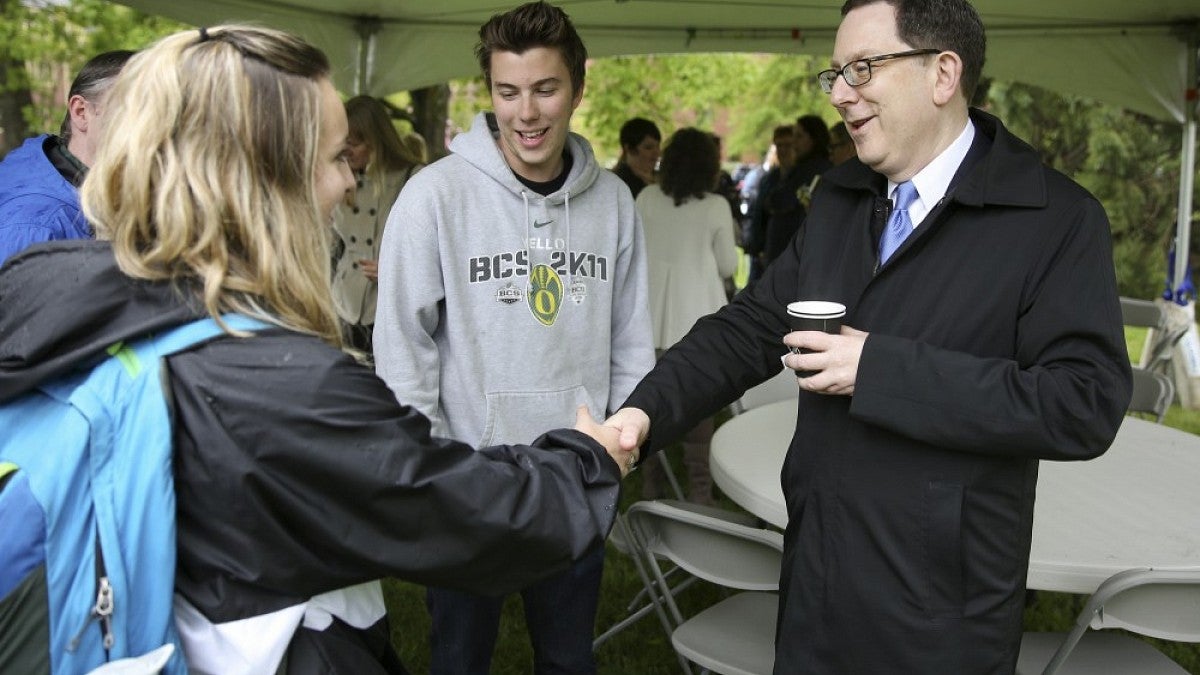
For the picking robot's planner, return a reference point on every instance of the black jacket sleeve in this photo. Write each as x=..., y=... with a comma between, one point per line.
x=723, y=355
x=297, y=472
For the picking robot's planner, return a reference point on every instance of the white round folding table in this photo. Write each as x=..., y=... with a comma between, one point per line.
x=1137, y=505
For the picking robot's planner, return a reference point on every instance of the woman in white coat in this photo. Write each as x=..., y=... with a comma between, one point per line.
x=689, y=252
x=382, y=163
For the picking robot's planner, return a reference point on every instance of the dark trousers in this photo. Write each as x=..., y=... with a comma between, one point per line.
x=560, y=612
x=341, y=648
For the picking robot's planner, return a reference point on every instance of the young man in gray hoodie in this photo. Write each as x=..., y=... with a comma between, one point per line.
x=512, y=289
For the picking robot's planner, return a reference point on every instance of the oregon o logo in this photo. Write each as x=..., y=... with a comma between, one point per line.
x=545, y=294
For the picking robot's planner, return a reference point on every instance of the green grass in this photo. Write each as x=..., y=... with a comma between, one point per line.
x=644, y=649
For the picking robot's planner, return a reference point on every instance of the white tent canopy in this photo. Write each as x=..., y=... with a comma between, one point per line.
x=1133, y=54
x=1138, y=55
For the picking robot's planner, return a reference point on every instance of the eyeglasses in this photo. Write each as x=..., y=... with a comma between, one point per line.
x=858, y=73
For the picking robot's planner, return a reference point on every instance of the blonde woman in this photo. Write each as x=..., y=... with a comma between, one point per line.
x=299, y=478
x=382, y=163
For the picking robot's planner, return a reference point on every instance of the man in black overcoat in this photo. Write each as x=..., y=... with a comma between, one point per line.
x=988, y=340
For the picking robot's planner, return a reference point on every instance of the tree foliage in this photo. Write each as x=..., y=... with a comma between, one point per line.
x=467, y=97
x=673, y=90
x=53, y=39
x=783, y=89
x=1130, y=162
x=740, y=96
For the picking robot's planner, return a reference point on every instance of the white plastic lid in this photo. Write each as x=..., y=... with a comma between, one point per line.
x=816, y=309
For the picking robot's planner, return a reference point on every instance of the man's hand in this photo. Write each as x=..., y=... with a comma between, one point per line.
x=606, y=436
x=833, y=359
x=633, y=425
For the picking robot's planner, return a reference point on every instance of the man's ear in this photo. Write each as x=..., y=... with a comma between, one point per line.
x=80, y=112
x=577, y=98
x=948, y=70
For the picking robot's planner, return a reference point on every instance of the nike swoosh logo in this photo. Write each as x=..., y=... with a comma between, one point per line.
x=537, y=223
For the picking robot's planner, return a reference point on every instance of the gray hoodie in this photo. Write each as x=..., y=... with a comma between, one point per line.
x=501, y=310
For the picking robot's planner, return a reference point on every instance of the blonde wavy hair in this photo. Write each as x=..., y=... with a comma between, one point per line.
x=205, y=174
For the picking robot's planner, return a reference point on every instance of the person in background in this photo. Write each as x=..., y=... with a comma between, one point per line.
x=982, y=334
x=743, y=169
x=841, y=146
x=299, y=478
x=640, y=139
x=39, y=181
x=690, y=253
x=787, y=202
x=382, y=164
x=755, y=240
x=512, y=290
x=748, y=192
x=727, y=187
x=417, y=147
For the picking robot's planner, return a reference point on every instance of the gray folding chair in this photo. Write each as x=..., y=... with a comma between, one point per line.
x=1144, y=313
x=1152, y=394
x=1156, y=353
x=668, y=473
x=642, y=603
x=782, y=387
x=1159, y=603
x=735, y=636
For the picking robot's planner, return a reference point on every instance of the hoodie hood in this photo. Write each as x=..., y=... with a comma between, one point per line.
x=479, y=148
x=64, y=303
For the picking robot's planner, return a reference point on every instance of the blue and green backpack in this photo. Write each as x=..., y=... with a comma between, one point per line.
x=87, y=511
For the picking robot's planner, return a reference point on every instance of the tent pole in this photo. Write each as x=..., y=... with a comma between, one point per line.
x=1183, y=225
x=1187, y=169
x=367, y=28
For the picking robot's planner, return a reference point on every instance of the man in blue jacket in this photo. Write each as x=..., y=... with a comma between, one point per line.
x=982, y=335
x=39, y=179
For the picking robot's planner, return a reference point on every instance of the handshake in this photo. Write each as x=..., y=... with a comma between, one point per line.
x=621, y=434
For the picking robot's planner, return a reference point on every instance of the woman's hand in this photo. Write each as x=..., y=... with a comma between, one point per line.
x=369, y=268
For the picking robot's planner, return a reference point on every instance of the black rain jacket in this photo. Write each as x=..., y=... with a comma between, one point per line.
x=296, y=470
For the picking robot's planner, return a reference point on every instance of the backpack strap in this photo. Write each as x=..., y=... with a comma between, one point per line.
x=188, y=334
x=184, y=336
x=179, y=338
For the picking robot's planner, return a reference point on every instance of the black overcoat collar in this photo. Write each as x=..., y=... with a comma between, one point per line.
x=1000, y=177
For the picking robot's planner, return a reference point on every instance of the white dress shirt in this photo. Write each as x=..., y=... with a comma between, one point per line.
x=933, y=181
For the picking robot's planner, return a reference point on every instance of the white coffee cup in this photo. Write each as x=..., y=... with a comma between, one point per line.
x=819, y=315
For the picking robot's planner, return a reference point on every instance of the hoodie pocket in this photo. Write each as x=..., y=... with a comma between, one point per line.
x=522, y=416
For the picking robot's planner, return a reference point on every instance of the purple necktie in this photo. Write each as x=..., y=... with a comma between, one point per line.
x=899, y=225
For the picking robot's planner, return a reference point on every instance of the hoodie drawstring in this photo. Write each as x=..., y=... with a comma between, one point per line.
x=528, y=234
x=567, y=216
